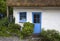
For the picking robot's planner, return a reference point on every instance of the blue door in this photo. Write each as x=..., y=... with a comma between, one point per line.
x=37, y=22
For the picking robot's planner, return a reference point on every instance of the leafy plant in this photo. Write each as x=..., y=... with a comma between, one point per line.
x=27, y=30
x=50, y=35
x=4, y=22
x=9, y=29
x=3, y=6
x=14, y=29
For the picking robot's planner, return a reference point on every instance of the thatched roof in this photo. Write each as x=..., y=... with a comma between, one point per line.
x=34, y=3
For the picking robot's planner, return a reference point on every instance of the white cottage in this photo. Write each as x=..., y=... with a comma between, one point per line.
x=42, y=13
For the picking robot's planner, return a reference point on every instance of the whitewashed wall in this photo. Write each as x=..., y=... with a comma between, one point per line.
x=50, y=17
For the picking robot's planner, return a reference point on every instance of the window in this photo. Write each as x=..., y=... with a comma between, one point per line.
x=36, y=18
x=22, y=16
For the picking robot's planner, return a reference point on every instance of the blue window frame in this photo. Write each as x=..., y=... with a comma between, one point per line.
x=22, y=16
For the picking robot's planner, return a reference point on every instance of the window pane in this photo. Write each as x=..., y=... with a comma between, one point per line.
x=22, y=16
x=22, y=13
x=34, y=15
x=36, y=18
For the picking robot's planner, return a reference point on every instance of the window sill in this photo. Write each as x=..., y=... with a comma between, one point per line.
x=22, y=21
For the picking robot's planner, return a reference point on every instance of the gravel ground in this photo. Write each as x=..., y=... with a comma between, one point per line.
x=10, y=39
x=16, y=39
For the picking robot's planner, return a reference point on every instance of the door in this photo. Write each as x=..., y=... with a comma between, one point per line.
x=37, y=22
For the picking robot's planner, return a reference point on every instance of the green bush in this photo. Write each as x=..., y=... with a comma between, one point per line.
x=4, y=22
x=14, y=29
x=3, y=27
x=27, y=30
x=9, y=28
x=50, y=35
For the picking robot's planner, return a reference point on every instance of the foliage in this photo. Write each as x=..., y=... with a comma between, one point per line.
x=3, y=6
x=27, y=30
x=50, y=35
x=14, y=29
x=9, y=29
x=4, y=22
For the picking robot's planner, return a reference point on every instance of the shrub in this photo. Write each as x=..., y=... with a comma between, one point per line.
x=27, y=30
x=4, y=22
x=14, y=29
x=3, y=27
x=3, y=31
x=9, y=28
x=50, y=35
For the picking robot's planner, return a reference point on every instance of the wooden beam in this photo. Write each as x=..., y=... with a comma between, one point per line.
x=7, y=11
